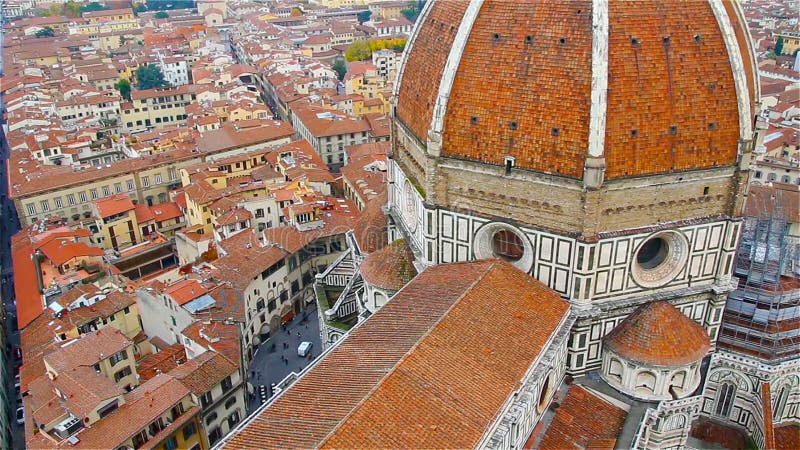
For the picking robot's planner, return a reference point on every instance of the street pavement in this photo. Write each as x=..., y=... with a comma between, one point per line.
x=8, y=226
x=269, y=366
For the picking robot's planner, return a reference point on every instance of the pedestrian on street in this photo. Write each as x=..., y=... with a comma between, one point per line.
x=298, y=334
x=286, y=361
x=310, y=356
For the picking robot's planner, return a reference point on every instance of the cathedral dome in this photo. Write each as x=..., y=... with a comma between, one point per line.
x=658, y=334
x=640, y=88
x=389, y=268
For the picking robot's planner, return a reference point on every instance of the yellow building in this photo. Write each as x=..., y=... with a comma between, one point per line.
x=107, y=21
x=791, y=41
x=116, y=222
x=156, y=108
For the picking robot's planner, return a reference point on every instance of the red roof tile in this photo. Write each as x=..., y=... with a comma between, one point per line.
x=201, y=373
x=583, y=421
x=372, y=230
x=659, y=334
x=787, y=437
x=115, y=204
x=460, y=394
x=185, y=291
x=390, y=267
x=524, y=86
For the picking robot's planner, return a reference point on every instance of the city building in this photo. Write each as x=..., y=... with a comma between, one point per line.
x=510, y=164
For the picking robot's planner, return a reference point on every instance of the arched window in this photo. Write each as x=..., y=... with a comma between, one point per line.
x=544, y=393
x=380, y=299
x=646, y=382
x=725, y=397
x=780, y=403
x=615, y=370
x=678, y=380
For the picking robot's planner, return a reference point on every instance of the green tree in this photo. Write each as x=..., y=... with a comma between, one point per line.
x=72, y=9
x=779, y=46
x=340, y=67
x=358, y=51
x=162, y=15
x=149, y=76
x=364, y=16
x=122, y=40
x=413, y=10
x=124, y=87
x=93, y=6
x=140, y=7
x=45, y=32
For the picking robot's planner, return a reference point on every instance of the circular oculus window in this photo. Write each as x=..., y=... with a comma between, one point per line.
x=659, y=259
x=499, y=240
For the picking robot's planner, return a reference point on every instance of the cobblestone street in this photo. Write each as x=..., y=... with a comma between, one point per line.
x=277, y=357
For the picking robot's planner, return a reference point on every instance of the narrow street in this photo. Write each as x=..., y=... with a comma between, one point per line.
x=8, y=226
x=271, y=365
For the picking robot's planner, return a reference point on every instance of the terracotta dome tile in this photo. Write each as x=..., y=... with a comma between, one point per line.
x=659, y=334
x=390, y=267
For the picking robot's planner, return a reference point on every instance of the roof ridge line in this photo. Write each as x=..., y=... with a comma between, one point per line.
x=492, y=263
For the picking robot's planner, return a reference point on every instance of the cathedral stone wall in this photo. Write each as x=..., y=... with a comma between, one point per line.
x=557, y=204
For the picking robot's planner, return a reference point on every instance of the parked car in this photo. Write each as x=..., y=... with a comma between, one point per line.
x=304, y=348
x=16, y=383
x=21, y=416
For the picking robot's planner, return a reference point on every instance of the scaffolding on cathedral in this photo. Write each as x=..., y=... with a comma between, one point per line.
x=762, y=316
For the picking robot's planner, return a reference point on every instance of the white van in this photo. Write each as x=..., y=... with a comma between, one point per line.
x=304, y=348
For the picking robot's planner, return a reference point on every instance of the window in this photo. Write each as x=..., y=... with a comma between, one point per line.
x=119, y=356
x=127, y=310
x=174, y=323
x=260, y=304
x=145, y=181
x=117, y=187
x=59, y=204
x=230, y=402
x=82, y=196
x=233, y=419
x=172, y=174
x=206, y=400
x=122, y=373
x=130, y=185
x=214, y=436
x=211, y=417
x=507, y=245
x=189, y=430
x=227, y=384
x=70, y=199
x=158, y=179
x=645, y=382
x=171, y=443
x=106, y=191
x=615, y=370
x=45, y=205
x=725, y=397
x=653, y=253
x=93, y=193
x=780, y=403
x=271, y=305
x=31, y=207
